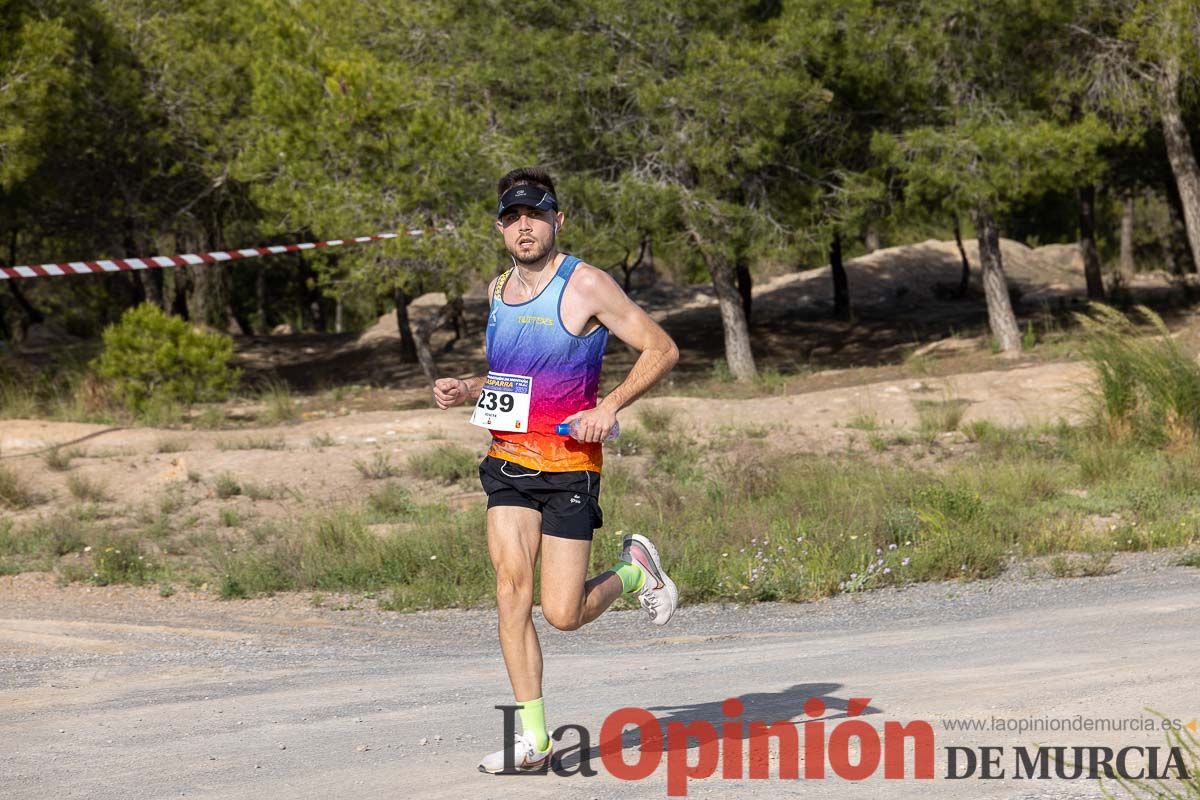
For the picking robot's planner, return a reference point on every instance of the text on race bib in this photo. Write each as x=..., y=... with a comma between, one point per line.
x=503, y=404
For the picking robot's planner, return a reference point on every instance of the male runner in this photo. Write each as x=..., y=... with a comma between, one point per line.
x=549, y=323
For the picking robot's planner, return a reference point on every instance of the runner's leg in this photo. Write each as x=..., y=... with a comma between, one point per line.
x=514, y=536
x=567, y=601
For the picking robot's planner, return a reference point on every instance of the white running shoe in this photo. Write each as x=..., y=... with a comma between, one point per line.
x=659, y=595
x=525, y=756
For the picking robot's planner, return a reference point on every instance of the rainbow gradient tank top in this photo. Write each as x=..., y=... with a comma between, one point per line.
x=529, y=339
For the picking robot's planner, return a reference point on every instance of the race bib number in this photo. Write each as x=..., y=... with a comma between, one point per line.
x=503, y=404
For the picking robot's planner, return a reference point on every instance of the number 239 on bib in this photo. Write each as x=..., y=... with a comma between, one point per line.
x=503, y=403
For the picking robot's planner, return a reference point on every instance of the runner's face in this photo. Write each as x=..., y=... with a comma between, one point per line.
x=528, y=232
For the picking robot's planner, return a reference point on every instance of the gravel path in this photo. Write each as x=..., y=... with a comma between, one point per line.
x=117, y=693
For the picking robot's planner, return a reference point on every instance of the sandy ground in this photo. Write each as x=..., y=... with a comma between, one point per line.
x=127, y=464
x=136, y=696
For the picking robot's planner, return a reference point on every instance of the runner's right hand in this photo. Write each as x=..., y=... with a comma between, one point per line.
x=449, y=392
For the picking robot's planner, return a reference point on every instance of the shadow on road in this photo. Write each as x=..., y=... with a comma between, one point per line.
x=786, y=705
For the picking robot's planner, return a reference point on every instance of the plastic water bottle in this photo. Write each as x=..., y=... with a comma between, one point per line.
x=572, y=429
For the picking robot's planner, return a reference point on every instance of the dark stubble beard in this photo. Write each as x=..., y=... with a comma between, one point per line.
x=532, y=256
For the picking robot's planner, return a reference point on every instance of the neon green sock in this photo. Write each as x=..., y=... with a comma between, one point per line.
x=533, y=720
x=633, y=577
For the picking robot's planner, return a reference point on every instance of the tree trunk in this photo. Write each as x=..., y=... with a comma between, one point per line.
x=207, y=296
x=208, y=290
x=1126, y=264
x=627, y=269
x=176, y=290
x=745, y=287
x=964, y=281
x=151, y=279
x=871, y=238
x=1182, y=158
x=260, y=302
x=733, y=319
x=1087, y=242
x=408, y=345
x=32, y=315
x=841, y=285
x=1001, y=319
x=1175, y=242
x=152, y=285
x=449, y=314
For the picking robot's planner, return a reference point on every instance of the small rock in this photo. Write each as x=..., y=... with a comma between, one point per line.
x=437, y=737
x=283, y=747
x=362, y=748
x=423, y=741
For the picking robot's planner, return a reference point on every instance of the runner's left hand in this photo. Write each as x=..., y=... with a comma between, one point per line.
x=594, y=423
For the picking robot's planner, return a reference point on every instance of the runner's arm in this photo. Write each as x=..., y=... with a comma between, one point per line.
x=633, y=326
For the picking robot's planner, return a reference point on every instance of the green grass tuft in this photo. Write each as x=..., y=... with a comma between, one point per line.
x=15, y=495
x=390, y=503
x=657, y=420
x=1147, y=387
x=446, y=464
x=171, y=446
x=276, y=396
x=252, y=443
x=210, y=418
x=378, y=468
x=227, y=486
x=938, y=416
x=86, y=490
x=631, y=442
x=443, y=563
x=259, y=491
x=58, y=459
x=864, y=422
x=1089, y=566
x=120, y=560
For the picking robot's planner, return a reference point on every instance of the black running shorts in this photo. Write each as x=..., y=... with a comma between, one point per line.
x=568, y=501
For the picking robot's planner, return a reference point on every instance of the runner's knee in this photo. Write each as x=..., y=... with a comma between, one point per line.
x=565, y=619
x=513, y=589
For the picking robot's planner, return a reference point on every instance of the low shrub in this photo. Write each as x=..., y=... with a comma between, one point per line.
x=150, y=356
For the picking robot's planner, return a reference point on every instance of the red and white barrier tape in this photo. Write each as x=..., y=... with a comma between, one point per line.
x=158, y=262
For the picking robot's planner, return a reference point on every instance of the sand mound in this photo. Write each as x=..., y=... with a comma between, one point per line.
x=385, y=328
x=915, y=272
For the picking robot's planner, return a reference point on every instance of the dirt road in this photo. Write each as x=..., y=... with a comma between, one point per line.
x=115, y=693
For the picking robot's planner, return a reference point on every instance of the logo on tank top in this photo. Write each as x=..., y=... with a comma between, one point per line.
x=531, y=319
